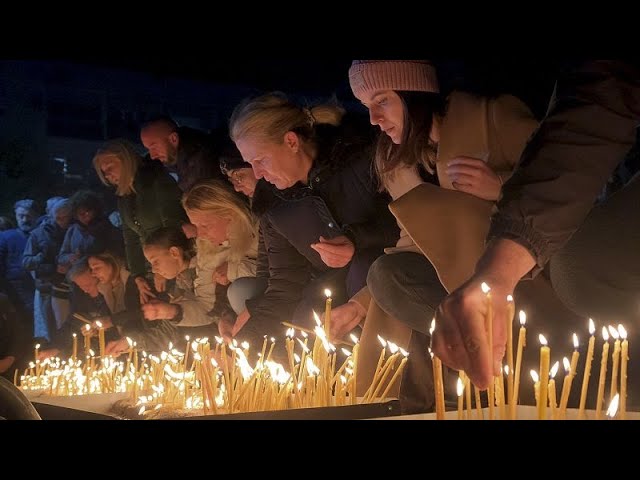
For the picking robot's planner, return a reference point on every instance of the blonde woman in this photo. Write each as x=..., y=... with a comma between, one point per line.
x=223, y=218
x=148, y=198
x=329, y=221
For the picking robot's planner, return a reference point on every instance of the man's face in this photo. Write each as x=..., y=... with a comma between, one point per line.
x=26, y=219
x=161, y=142
x=87, y=283
x=63, y=218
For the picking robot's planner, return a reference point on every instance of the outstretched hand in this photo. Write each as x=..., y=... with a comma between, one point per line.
x=460, y=338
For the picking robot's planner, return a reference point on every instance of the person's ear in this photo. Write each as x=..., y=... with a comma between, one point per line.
x=175, y=253
x=174, y=138
x=292, y=141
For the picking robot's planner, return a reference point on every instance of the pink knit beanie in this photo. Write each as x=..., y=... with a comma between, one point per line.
x=407, y=75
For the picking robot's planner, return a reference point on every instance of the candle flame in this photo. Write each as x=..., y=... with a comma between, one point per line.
x=567, y=365
x=130, y=342
x=186, y=337
x=523, y=317
x=87, y=327
x=623, y=332
x=142, y=409
x=613, y=332
x=543, y=340
x=485, y=288
x=234, y=342
x=91, y=352
x=613, y=406
x=430, y=352
x=382, y=341
x=346, y=352
x=534, y=376
x=304, y=347
x=354, y=339
x=554, y=370
x=404, y=352
x=290, y=332
x=506, y=370
x=304, y=334
x=74, y=335
x=98, y=324
x=575, y=341
x=509, y=298
x=317, y=319
x=393, y=348
x=433, y=326
x=296, y=357
x=460, y=387
x=37, y=345
x=219, y=340
x=327, y=293
x=605, y=334
x=245, y=345
x=592, y=327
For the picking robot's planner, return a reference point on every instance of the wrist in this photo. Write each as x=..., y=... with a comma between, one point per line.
x=503, y=264
x=358, y=308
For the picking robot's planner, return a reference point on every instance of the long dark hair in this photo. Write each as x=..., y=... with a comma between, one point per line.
x=417, y=146
x=167, y=237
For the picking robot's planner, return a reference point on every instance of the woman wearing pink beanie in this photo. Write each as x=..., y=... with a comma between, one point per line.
x=443, y=161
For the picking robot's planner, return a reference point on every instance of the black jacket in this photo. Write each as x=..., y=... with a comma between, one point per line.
x=198, y=157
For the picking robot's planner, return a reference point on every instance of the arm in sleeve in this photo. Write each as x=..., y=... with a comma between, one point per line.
x=66, y=250
x=289, y=272
x=32, y=257
x=588, y=129
x=196, y=305
x=168, y=202
x=133, y=248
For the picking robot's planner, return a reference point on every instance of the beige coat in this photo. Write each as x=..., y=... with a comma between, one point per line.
x=449, y=227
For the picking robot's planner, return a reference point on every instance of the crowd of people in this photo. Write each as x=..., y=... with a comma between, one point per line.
x=402, y=217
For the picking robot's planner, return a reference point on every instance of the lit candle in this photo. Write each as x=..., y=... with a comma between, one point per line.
x=615, y=362
x=511, y=311
x=522, y=338
x=75, y=347
x=587, y=369
x=545, y=359
x=87, y=340
x=565, y=388
x=603, y=373
x=354, y=375
x=327, y=313
x=438, y=383
x=613, y=406
x=571, y=369
x=536, y=386
x=101, y=343
x=36, y=354
x=488, y=323
x=460, y=392
x=552, y=390
x=623, y=372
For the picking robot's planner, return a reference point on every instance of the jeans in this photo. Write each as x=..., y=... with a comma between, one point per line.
x=243, y=289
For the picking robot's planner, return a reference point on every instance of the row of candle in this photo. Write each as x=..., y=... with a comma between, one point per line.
x=544, y=381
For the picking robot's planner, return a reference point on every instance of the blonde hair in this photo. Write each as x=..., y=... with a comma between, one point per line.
x=130, y=160
x=268, y=117
x=216, y=197
x=114, y=261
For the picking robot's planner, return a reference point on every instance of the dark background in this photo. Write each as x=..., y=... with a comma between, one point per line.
x=55, y=113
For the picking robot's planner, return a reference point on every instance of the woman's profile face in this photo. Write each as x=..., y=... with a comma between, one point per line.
x=164, y=261
x=210, y=226
x=111, y=168
x=101, y=270
x=386, y=111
